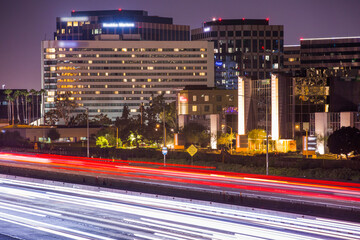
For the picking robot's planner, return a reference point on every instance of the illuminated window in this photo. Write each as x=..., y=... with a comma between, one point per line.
x=115, y=49
x=69, y=24
x=99, y=110
x=202, y=74
x=133, y=110
x=52, y=69
x=62, y=31
x=75, y=24
x=50, y=50
x=90, y=62
x=168, y=92
x=71, y=98
x=97, y=92
x=291, y=59
x=176, y=49
x=124, y=50
x=202, y=55
x=149, y=80
x=50, y=99
x=116, y=92
x=50, y=56
x=150, y=68
x=194, y=98
x=159, y=49
x=206, y=98
x=194, y=108
x=51, y=93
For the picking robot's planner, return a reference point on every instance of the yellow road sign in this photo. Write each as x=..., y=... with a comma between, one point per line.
x=192, y=150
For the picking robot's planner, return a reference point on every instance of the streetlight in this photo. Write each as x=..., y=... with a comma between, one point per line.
x=231, y=135
x=87, y=132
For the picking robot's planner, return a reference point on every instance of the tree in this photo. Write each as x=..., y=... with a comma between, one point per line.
x=24, y=94
x=101, y=119
x=225, y=139
x=51, y=117
x=344, y=141
x=257, y=137
x=17, y=94
x=196, y=134
x=102, y=142
x=33, y=93
x=53, y=134
x=9, y=99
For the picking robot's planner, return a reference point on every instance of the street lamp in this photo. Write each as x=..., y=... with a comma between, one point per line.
x=231, y=135
x=87, y=132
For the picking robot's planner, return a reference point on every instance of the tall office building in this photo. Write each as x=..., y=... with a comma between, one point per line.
x=254, y=48
x=292, y=59
x=337, y=53
x=106, y=75
x=125, y=24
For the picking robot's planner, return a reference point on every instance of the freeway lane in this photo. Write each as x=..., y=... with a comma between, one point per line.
x=34, y=210
x=315, y=191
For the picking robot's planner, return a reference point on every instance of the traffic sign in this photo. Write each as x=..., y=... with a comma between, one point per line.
x=164, y=150
x=192, y=150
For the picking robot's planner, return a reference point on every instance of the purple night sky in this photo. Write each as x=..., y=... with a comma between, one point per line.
x=24, y=23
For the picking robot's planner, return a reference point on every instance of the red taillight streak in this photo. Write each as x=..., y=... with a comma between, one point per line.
x=228, y=185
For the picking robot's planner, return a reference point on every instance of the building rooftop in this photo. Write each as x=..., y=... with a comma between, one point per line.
x=242, y=21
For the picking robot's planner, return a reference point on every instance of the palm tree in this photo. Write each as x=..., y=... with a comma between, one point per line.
x=17, y=93
x=24, y=95
x=42, y=92
x=9, y=99
x=33, y=93
x=28, y=101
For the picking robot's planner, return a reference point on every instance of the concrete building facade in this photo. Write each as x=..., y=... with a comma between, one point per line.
x=106, y=75
x=124, y=24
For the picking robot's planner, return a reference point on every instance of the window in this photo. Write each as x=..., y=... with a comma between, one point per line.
x=218, y=108
x=254, y=33
x=63, y=31
x=275, y=33
x=230, y=33
x=76, y=24
x=194, y=108
x=261, y=33
x=206, y=108
x=238, y=33
x=69, y=24
x=247, y=33
x=218, y=98
x=268, y=33
x=222, y=33
x=194, y=98
x=206, y=98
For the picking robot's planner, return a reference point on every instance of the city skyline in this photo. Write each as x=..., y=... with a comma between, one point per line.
x=26, y=23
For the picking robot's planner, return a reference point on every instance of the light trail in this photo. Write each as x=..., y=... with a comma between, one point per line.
x=280, y=186
x=77, y=213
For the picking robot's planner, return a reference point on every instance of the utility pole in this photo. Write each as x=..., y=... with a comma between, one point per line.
x=88, y=135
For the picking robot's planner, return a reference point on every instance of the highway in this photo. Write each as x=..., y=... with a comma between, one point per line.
x=330, y=193
x=33, y=209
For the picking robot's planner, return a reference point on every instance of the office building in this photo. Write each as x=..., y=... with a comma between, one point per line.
x=254, y=48
x=106, y=75
x=292, y=59
x=121, y=24
x=337, y=55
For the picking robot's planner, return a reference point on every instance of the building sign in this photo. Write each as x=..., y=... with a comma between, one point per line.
x=183, y=99
x=74, y=19
x=119, y=24
x=218, y=64
x=207, y=29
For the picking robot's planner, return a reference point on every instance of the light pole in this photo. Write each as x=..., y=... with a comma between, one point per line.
x=87, y=132
x=164, y=133
x=231, y=136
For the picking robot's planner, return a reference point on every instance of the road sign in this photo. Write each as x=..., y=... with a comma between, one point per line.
x=192, y=150
x=164, y=150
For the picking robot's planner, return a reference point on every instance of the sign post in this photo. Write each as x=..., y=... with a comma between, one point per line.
x=164, y=152
x=192, y=150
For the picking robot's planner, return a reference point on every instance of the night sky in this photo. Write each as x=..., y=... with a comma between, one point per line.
x=24, y=23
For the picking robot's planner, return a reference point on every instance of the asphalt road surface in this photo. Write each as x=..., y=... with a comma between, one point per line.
x=34, y=210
